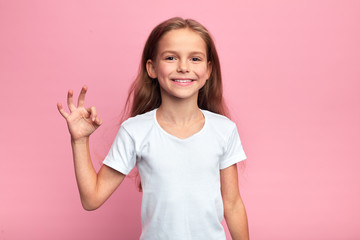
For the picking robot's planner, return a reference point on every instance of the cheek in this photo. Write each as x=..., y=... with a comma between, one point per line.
x=202, y=72
x=163, y=70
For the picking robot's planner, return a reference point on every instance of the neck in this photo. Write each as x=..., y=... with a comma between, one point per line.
x=179, y=111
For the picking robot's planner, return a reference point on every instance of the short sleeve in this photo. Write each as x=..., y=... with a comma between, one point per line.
x=234, y=151
x=122, y=155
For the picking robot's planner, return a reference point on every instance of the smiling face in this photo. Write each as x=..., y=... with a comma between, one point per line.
x=181, y=65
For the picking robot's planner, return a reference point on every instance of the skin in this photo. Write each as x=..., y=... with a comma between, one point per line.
x=181, y=55
x=94, y=188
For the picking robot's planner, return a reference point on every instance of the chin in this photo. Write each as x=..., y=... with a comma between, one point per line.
x=180, y=96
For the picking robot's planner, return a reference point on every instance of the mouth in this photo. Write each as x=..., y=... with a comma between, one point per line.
x=182, y=80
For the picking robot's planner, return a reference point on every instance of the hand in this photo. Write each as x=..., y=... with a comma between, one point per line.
x=81, y=121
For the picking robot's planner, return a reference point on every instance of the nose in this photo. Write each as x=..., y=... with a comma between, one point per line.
x=183, y=66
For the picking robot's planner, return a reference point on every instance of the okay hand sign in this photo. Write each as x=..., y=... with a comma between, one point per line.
x=81, y=121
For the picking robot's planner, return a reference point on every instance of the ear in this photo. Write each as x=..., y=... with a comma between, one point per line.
x=150, y=68
x=209, y=69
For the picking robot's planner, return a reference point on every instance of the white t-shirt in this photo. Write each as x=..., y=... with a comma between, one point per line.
x=180, y=177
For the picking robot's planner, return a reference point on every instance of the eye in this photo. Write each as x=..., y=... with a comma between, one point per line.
x=170, y=58
x=195, y=59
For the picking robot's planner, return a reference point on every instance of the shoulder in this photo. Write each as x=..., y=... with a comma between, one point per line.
x=140, y=123
x=219, y=124
x=221, y=121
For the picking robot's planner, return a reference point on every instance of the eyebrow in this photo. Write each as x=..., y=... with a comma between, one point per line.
x=174, y=52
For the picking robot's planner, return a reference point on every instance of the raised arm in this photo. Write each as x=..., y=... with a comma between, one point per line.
x=94, y=188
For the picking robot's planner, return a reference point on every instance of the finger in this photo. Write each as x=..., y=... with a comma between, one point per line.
x=98, y=121
x=62, y=111
x=93, y=113
x=70, y=101
x=81, y=99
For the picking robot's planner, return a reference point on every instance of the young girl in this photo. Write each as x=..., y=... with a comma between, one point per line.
x=178, y=137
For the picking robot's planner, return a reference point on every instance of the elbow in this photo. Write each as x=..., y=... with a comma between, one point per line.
x=89, y=205
x=236, y=205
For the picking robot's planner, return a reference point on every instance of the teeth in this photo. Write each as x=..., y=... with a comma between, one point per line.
x=182, y=81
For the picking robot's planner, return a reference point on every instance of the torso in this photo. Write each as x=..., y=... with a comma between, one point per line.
x=180, y=173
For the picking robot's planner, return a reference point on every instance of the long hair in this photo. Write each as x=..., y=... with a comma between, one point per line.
x=144, y=93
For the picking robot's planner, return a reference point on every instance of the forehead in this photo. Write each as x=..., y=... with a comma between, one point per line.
x=182, y=40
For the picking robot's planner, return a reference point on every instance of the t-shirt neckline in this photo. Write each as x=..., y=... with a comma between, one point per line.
x=177, y=138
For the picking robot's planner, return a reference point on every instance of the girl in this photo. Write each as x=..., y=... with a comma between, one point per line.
x=183, y=146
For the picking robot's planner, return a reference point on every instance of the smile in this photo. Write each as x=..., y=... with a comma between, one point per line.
x=183, y=82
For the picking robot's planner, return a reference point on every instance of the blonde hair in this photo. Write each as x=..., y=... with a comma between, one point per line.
x=144, y=93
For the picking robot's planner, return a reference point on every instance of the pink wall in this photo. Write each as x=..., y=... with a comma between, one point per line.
x=291, y=75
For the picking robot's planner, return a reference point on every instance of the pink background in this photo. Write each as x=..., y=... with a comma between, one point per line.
x=291, y=77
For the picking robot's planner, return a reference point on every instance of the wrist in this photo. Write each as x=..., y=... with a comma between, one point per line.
x=79, y=141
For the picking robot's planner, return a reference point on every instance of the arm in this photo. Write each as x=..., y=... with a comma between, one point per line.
x=234, y=209
x=94, y=188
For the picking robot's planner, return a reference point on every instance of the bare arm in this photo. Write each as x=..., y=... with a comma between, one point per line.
x=94, y=188
x=234, y=209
